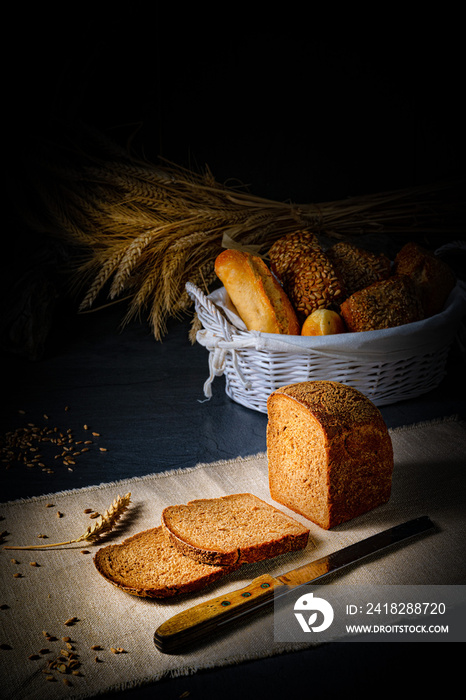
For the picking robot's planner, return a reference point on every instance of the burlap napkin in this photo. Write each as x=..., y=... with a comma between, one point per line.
x=429, y=478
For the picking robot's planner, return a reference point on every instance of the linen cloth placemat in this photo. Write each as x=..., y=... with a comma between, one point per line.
x=429, y=478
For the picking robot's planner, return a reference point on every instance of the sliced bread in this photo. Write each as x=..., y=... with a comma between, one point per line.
x=149, y=565
x=232, y=530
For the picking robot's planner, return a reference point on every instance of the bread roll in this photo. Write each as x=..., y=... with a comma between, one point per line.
x=385, y=304
x=358, y=268
x=232, y=530
x=330, y=456
x=323, y=322
x=286, y=252
x=307, y=274
x=258, y=297
x=433, y=277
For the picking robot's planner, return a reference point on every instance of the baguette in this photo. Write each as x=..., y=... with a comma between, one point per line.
x=232, y=530
x=258, y=297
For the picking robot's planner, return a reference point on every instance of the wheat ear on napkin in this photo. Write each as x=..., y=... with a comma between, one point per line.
x=105, y=523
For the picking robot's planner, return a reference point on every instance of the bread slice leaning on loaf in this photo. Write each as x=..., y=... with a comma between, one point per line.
x=330, y=455
x=232, y=530
x=150, y=566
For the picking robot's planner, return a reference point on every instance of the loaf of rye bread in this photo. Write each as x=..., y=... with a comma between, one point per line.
x=330, y=455
x=150, y=566
x=232, y=530
x=259, y=299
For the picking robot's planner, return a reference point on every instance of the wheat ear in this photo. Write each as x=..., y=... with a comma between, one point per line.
x=104, y=523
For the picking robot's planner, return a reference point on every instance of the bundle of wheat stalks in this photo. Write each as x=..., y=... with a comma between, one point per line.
x=141, y=231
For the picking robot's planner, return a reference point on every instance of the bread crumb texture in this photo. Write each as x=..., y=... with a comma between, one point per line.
x=149, y=565
x=232, y=530
x=330, y=455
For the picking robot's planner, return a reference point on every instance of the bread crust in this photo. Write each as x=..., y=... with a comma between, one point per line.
x=147, y=549
x=358, y=268
x=259, y=299
x=206, y=515
x=433, y=277
x=385, y=304
x=330, y=455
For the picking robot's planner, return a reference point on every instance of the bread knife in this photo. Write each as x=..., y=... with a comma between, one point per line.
x=192, y=625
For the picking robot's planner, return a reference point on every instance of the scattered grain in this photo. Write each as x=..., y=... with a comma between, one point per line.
x=71, y=621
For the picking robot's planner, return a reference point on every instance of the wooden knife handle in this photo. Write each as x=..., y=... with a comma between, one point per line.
x=201, y=620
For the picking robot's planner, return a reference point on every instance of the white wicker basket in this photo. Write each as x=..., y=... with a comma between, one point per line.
x=387, y=366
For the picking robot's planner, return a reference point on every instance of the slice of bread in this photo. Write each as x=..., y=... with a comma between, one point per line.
x=232, y=530
x=149, y=565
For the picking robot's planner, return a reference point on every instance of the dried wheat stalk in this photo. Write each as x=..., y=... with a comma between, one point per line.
x=144, y=230
x=103, y=524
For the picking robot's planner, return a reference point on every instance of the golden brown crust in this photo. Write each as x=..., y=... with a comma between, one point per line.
x=323, y=322
x=329, y=452
x=259, y=299
x=306, y=272
x=357, y=267
x=385, y=304
x=286, y=251
x=433, y=277
x=232, y=530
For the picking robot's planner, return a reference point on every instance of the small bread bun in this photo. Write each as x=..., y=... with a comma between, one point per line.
x=385, y=304
x=258, y=297
x=323, y=322
x=358, y=268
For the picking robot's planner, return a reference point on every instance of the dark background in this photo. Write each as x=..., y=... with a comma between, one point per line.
x=300, y=105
